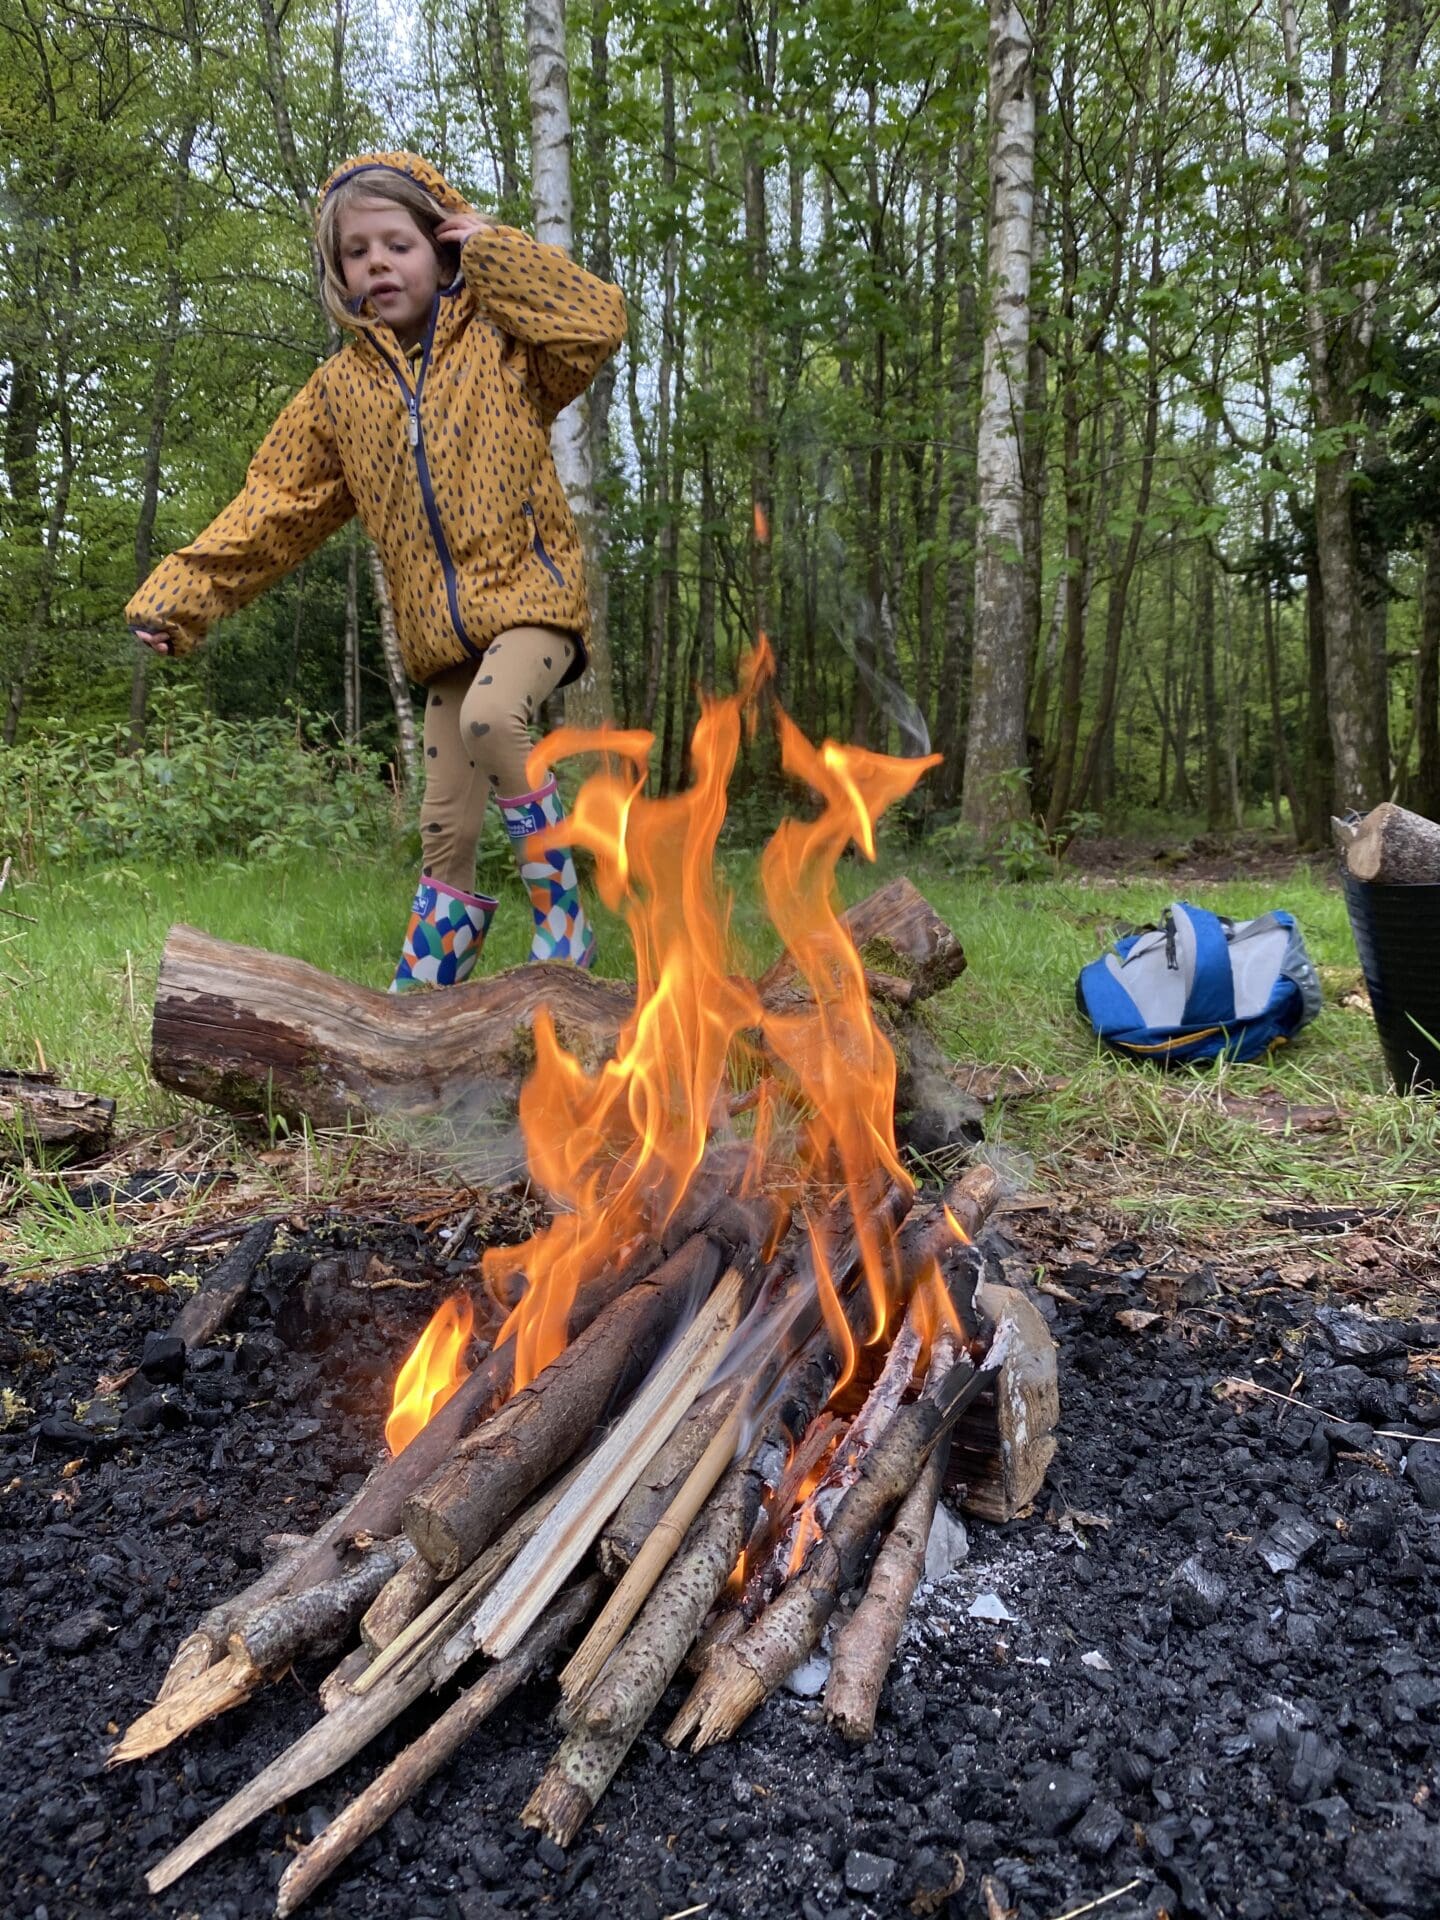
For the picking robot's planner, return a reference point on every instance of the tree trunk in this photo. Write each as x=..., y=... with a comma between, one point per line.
x=1427, y=686
x=995, y=756
x=589, y=700
x=408, y=740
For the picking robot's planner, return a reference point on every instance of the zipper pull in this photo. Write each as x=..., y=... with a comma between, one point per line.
x=528, y=511
x=414, y=425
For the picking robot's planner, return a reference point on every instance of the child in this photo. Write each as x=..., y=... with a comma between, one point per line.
x=432, y=424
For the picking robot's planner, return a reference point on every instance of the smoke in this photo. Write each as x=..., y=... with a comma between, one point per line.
x=855, y=616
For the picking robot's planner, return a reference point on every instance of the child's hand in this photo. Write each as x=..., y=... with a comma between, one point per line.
x=455, y=231
x=157, y=642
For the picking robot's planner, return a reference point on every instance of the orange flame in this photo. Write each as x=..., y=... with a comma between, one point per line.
x=956, y=1228
x=616, y=1149
x=433, y=1371
x=839, y=1057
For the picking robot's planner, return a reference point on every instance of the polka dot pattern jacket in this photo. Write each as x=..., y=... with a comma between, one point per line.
x=446, y=461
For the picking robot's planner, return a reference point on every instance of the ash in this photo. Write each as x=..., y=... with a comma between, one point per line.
x=1226, y=1700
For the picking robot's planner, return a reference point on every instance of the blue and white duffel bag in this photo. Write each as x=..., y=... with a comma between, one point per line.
x=1199, y=986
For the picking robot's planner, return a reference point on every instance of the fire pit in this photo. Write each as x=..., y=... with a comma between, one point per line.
x=730, y=1368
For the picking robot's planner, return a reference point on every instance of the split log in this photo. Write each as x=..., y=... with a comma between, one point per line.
x=254, y=1032
x=38, y=1116
x=865, y=1646
x=411, y=1768
x=339, y=1683
x=740, y=1676
x=517, y=1601
x=1005, y=1441
x=1392, y=847
x=538, y=1429
x=223, y=1288
x=662, y=1478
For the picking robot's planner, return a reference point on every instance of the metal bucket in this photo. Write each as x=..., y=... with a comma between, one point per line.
x=1397, y=933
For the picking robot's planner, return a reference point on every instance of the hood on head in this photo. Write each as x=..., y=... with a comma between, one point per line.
x=418, y=170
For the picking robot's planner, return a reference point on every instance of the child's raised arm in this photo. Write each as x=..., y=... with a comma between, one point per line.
x=294, y=497
x=569, y=319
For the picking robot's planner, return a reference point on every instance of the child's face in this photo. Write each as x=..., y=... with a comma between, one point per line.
x=388, y=260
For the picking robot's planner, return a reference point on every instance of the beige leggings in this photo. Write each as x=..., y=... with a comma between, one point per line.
x=478, y=723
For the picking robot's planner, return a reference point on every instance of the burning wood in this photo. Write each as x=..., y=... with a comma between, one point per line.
x=685, y=1345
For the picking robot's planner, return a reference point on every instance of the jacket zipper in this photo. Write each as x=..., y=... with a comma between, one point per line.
x=416, y=436
x=538, y=546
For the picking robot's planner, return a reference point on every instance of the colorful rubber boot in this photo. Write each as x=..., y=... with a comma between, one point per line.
x=443, y=940
x=561, y=930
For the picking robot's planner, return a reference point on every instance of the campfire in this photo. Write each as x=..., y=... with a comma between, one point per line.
x=727, y=1380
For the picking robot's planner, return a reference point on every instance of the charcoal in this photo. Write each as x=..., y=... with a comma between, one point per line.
x=1197, y=1595
x=162, y=1358
x=1054, y=1798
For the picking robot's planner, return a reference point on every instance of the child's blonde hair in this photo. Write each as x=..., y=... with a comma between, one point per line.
x=374, y=183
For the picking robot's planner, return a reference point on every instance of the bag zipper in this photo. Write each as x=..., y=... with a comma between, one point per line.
x=415, y=434
x=537, y=546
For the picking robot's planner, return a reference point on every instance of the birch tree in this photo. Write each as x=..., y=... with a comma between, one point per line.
x=589, y=700
x=993, y=792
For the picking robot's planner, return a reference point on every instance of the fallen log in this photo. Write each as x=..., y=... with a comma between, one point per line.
x=415, y=1764
x=255, y=1032
x=37, y=1116
x=1392, y=847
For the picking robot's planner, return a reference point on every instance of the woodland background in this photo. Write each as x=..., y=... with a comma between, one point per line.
x=1164, y=537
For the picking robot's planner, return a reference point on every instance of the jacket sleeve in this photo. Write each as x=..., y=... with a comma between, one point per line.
x=570, y=321
x=294, y=497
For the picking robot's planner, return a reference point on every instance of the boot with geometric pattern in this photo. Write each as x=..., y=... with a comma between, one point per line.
x=561, y=930
x=443, y=940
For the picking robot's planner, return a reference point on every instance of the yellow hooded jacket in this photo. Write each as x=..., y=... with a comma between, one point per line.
x=447, y=462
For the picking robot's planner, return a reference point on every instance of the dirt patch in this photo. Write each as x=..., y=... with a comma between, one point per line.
x=1211, y=859
x=1217, y=1684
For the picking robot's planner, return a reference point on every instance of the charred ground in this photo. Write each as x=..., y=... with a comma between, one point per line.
x=1243, y=1739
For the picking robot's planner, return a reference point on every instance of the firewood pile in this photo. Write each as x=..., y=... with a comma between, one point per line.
x=735, y=1371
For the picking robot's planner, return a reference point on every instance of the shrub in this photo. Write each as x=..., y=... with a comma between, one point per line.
x=200, y=788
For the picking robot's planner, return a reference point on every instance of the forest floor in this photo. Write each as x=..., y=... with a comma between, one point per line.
x=1173, y=1710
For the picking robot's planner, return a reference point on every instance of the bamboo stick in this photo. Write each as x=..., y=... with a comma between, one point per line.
x=517, y=1600
x=415, y=1764
x=651, y=1561
x=664, y=1474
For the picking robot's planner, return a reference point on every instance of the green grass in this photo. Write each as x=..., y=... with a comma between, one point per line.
x=77, y=990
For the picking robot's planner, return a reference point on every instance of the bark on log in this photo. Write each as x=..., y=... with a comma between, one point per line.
x=35, y=1114
x=319, y=1619
x=1392, y=847
x=256, y=1032
x=415, y=1764
x=866, y=1644
x=222, y=1290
